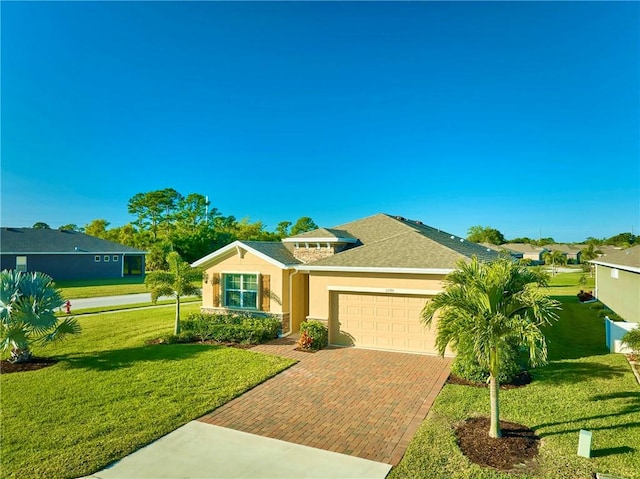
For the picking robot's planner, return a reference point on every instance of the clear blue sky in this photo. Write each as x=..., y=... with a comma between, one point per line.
x=519, y=116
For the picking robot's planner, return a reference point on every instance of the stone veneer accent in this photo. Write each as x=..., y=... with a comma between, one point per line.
x=284, y=317
x=312, y=253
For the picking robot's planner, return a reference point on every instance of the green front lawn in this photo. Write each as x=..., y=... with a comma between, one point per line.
x=583, y=387
x=101, y=287
x=110, y=393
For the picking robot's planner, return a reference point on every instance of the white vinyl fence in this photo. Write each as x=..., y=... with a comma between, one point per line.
x=614, y=331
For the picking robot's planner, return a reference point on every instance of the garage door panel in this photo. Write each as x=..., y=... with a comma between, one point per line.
x=384, y=322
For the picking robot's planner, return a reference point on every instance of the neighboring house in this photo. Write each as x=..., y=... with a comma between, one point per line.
x=502, y=249
x=618, y=282
x=571, y=252
x=529, y=251
x=367, y=280
x=67, y=255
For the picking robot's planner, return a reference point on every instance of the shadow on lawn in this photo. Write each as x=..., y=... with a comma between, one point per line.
x=611, y=451
x=632, y=407
x=124, y=358
x=576, y=372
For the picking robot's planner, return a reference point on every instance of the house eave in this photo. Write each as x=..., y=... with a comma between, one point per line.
x=224, y=251
x=633, y=269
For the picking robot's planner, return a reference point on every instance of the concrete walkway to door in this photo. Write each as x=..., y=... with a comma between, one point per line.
x=359, y=402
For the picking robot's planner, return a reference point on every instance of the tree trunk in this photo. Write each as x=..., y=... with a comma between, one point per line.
x=20, y=355
x=494, y=390
x=177, y=327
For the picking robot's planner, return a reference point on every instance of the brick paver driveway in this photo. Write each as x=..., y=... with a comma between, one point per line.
x=353, y=401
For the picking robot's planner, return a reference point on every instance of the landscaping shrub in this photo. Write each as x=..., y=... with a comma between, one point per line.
x=182, y=337
x=632, y=338
x=232, y=327
x=466, y=366
x=316, y=332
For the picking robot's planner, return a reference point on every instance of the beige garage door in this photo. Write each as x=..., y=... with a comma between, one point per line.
x=382, y=322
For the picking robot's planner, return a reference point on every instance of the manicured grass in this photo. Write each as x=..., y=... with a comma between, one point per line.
x=101, y=287
x=110, y=393
x=566, y=284
x=122, y=307
x=583, y=387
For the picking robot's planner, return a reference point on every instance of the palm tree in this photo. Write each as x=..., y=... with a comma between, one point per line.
x=553, y=258
x=27, y=314
x=176, y=281
x=491, y=306
x=591, y=251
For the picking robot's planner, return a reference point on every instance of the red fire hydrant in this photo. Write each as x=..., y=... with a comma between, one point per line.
x=67, y=306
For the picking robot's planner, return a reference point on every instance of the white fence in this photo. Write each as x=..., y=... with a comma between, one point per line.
x=614, y=331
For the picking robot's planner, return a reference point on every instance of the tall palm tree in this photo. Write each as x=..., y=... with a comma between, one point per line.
x=27, y=314
x=176, y=281
x=491, y=306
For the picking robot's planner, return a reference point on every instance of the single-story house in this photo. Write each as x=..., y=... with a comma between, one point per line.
x=529, y=251
x=618, y=282
x=503, y=249
x=67, y=255
x=367, y=280
x=571, y=252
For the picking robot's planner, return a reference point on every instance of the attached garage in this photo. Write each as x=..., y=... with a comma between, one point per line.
x=380, y=321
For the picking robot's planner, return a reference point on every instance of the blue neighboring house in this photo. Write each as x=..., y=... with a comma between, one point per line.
x=68, y=255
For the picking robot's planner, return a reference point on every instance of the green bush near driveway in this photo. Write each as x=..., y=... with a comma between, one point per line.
x=232, y=327
x=318, y=333
x=111, y=394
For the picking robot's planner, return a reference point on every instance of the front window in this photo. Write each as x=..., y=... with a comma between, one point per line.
x=241, y=291
x=21, y=263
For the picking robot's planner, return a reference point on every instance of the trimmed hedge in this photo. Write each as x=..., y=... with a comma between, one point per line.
x=231, y=327
x=318, y=333
x=466, y=366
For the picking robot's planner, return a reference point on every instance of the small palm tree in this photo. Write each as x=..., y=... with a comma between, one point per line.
x=591, y=251
x=554, y=258
x=27, y=314
x=176, y=281
x=491, y=306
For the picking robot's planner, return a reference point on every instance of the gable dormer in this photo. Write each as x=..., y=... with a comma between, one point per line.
x=318, y=244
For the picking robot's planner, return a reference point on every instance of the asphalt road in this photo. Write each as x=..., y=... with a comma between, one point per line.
x=124, y=299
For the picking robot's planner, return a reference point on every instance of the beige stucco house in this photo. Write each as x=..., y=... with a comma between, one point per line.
x=367, y=280
x=618, y=282
x=528, y=251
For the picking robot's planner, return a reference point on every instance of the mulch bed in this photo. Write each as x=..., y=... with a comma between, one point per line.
x=515, y=451
x=522, y=379
x=33, y=365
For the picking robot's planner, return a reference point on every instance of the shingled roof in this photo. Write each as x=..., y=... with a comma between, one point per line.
x=49, y=241
x=628, y=259
x=395, y=242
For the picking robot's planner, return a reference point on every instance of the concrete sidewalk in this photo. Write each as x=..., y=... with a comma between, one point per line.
x=200, y=450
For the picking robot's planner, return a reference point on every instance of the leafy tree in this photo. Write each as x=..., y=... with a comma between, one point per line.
x=157, y=256
x=492, y=306
x=623, y=239
x=282, y=230
x=303, y=225
x=485, y=234
x=154, y=209
x=97, y=228
x=27, y=313
x=523, y=240
x=70, y=227
x=176, y=281
x=41, y=225
x=194, y=210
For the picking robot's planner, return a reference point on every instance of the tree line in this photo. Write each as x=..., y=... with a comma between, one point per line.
x=166, y=220
x=487, y=234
